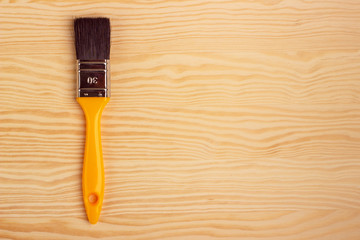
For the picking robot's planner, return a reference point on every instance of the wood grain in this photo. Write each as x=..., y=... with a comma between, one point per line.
x=228, y=120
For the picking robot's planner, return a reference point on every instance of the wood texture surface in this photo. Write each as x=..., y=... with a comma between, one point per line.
x=228, y=120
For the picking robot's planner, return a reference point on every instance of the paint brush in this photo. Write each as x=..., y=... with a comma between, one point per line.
x=92, y=43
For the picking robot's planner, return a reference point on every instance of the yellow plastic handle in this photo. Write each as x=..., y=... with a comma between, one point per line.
x=93, y=167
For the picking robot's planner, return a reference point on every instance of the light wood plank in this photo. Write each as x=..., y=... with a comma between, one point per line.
x=282, y=225
x=228, y=119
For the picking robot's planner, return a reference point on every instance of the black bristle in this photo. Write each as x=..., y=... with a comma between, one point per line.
x=92, y=38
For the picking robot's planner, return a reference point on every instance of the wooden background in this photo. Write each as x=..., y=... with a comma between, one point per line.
x=228, y=120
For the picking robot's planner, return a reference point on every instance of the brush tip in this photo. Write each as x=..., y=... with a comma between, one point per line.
x=92, y=38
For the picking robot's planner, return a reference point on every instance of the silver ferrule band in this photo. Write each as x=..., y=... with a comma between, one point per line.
x=93, y=78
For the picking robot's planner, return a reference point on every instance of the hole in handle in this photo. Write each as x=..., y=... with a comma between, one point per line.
x=93, y=198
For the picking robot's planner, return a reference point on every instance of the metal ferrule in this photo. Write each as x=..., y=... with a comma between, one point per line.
x=93, y=78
